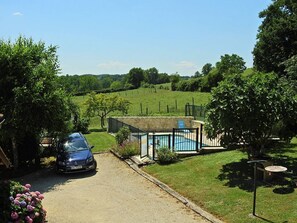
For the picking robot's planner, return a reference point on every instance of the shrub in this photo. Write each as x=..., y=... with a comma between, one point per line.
x=18, y=204
x=82, y=125
x=122, y=135
x=165, y=156
x=128, y=149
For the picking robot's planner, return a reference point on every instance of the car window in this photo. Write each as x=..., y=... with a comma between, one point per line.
x=77, y=145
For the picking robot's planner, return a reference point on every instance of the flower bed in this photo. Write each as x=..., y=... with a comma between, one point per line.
x=19, y=205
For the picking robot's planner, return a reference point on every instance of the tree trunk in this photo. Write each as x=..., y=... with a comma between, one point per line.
x=15, y=154
x=102, y=122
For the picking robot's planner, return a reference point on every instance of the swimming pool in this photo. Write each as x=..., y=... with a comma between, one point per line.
x=180, y=142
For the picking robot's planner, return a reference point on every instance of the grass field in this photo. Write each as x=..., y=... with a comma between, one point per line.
x=155, y=102
x=148, y=101
x=221, y=183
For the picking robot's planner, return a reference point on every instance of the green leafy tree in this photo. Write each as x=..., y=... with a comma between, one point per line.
x=163, y=78
x=102, y=104
x=116, y=85
x=247, y=109
x=174, y=79
x=291, y=71
x=276, y=38
x=197, y=74
x=151, y=75
x=230, y=64
x=30, y=97
x=135, y=77
x=206, y=69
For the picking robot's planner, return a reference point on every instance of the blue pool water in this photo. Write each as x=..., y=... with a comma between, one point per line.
x=180, y=143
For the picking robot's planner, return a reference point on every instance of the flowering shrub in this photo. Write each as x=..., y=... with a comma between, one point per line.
x=127, y=149
x=20, y=205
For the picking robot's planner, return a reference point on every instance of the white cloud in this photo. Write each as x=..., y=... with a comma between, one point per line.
x=113, y=66
x=186, y=65
x=17, y=14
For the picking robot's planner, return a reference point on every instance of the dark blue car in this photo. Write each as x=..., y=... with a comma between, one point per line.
x=74, y=155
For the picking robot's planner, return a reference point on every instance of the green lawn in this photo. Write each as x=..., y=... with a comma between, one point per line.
x=102, y=141
x=221, y=183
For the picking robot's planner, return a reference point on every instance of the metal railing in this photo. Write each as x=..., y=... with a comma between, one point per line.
x=181, y=140
x=198, y=112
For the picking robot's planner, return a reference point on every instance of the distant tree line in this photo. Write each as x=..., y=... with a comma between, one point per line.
x=105, y=83
x=211, y=75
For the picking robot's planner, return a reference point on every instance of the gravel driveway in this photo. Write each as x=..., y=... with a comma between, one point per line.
x=115, y=193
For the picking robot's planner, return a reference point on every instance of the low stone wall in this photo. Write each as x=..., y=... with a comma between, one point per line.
x=196, y=123
x=155, y=123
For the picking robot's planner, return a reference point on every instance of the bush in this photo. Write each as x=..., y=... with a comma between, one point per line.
x=128, y=149
x=122, y=135
x=165, y=156
x=82, y=125
x=18, y=204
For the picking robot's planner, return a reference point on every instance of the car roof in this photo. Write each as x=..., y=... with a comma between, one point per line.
x=75, y=136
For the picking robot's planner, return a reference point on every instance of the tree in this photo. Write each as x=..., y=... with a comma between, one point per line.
x=276, y=38
x=116, y=85
x=197, y=74
x=102, y=104
x=174, y=78
x=230, y=64
x=135, y=77
x=206, y=69
x=163, y=78
x=291, y=71
x=246, y=110
x=151, y=75
x=30, y=97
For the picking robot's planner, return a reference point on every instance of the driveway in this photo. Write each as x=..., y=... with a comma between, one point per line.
x=115, y=193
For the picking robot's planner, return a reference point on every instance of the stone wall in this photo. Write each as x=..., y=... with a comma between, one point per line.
x=155, y=123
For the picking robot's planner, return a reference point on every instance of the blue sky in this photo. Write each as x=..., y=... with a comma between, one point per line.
x=113, y=36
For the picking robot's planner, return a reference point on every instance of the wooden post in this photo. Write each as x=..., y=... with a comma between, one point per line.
x=4, y=159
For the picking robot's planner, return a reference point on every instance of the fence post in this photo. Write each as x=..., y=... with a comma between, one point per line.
x=153, y=146
x=173, y=139
x=197, y=139
x=201, y=129
x=169, y=138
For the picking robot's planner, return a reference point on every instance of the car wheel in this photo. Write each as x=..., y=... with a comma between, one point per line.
x=95, y=165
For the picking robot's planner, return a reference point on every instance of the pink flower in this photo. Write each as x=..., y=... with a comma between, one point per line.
x=28, y=185
x=28, y=219
x=14, y=215
x=37, y=192
x=16, y=202
x=41, y=196
x=33, y=194
x=30, y=208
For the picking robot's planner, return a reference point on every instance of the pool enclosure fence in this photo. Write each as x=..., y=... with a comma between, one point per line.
x=179, y=140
